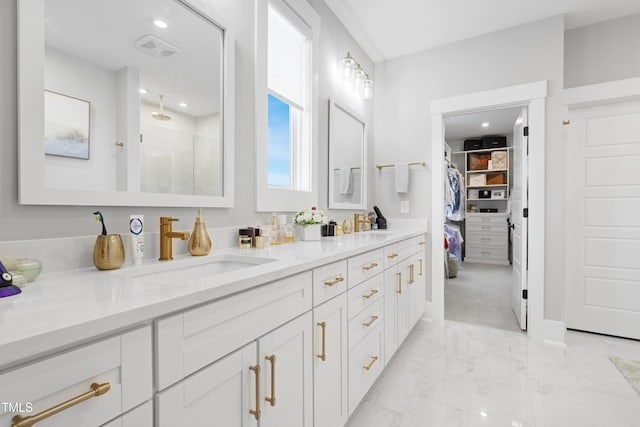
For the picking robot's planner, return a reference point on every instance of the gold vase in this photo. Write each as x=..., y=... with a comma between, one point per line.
x=108, y=253
x=200, y=242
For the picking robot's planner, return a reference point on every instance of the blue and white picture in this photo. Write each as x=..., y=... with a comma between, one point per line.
x=66, y=126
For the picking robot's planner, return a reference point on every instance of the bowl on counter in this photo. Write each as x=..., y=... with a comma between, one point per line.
x=29, y=267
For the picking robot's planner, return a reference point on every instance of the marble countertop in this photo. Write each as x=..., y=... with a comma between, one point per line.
x=61, y=309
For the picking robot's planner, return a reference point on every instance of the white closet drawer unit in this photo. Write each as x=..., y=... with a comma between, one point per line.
x=365, y=294
x=365, y=323
x=488, y=253
x=106, y=378
x=329, y=281
x=362, y=267
x=142, y=416
x=192, y=340
x=484, y=239
x=487, y=219
x=486, y=228
x=365, y=364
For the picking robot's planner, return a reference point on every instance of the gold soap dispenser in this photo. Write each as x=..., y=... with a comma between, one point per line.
x=200, y=242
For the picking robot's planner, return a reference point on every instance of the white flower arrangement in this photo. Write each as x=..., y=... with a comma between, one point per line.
x=308, y=216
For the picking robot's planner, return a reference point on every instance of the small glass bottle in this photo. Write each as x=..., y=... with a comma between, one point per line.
x=289, y=236
x=244, y=238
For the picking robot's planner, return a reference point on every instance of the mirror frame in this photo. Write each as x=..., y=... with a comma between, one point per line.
x=31, y=188
x=334, y=105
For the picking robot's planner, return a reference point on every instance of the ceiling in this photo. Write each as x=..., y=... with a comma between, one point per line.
x=104, y=33
x=386, y=29
x=468, y=126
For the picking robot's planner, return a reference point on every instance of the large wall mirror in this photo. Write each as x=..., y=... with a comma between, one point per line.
x=347, y=158
x=125, y=103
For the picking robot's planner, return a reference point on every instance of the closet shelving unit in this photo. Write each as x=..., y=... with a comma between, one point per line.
x=486, y=233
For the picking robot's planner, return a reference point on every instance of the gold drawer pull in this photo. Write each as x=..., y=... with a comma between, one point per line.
x=399, y=288
x=334, y=281
x=392, y=256
x=411, y=274
x=370, y=266
x=323, y=356
x=369, y=294
x=374, y=359
x=256, y=412
x=421, y=269
x=422, y=243
x=96, y=390
x=272, y=399
x=370, y=322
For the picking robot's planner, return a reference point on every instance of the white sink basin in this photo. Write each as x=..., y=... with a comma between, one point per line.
x=192, y=268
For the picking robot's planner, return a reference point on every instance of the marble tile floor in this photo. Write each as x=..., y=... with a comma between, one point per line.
x=459, y=374
x=481, y=294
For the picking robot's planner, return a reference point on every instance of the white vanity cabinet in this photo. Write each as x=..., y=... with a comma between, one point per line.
x=105, y=379
x=396, y=306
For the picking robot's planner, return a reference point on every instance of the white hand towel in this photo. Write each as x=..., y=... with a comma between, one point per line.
x=402, y=177
x=345, y=180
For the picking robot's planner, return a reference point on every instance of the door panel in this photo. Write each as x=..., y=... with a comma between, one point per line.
x=519, y=201
x=603, y=232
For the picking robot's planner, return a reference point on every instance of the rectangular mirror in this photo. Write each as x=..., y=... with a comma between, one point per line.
x=347, y=158
x=124, y=103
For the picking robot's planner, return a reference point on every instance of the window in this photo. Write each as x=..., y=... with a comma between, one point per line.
x=284, y=105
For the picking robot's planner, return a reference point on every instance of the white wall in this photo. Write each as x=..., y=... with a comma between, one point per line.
x=73, y=76
x=31, y=222
x=602, y=52
x=406, y=86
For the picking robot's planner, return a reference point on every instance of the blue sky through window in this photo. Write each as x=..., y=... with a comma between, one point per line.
x=279, y=143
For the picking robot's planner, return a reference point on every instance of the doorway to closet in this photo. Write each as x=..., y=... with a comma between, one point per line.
x=485, y=177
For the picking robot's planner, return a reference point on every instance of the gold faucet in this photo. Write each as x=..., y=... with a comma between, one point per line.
x=167, y=236
x=358, y=220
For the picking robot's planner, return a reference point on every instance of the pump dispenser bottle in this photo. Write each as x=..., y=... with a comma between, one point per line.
x=200, y=242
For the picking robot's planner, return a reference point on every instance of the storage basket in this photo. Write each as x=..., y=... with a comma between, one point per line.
x=496, y=178
x=477, y=179
x=499, y=160
x=479, y=161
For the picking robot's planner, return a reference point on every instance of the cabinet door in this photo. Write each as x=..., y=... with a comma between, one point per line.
x=222, y=394
x=330, y=363
x=286, y=358
x=415, y=288
x=391, y=287
x=402, y=300
x=420, y=283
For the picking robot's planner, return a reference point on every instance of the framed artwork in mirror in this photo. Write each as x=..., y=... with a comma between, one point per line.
x=67, y=123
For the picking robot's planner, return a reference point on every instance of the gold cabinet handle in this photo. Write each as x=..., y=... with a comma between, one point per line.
x=323, y=356
x=96, y=390
x=370, y=266
x=399, y=281
x=374, y=359
x=369, y=294
x=392, y=256
x=421, y=267
x=334, y=281
x=272, y=399
x=422, y=243
x=370, y=322
x=411, y=274
x=256, y=412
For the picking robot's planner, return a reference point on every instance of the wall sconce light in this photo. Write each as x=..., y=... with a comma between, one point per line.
x=353, y=73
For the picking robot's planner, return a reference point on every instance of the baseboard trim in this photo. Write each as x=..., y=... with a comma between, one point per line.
x=554, y=331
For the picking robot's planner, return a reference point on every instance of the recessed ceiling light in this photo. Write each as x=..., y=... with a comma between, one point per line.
x=142, y=90
x=160, y=23
x=484, y=414
x=485, y=124
x=183, y=104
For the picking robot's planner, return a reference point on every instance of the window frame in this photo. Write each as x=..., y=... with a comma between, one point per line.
x=280, y=198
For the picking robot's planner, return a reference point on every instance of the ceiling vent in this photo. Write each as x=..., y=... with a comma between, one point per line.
x=156, y=47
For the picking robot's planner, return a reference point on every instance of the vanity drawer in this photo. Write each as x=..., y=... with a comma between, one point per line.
x=329, y=281
x=121, y=366
x=365, y=364
x=399, y=251
x=192, y=340
x=365, y=294
x=484, y=239
x=365, y=322
x=142, y=416
x=362, y=267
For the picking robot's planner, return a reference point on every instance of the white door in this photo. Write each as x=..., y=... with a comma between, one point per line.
x=221, y=394
x=286, y=356
x=603, y=225
x=519, y=198
x=330, y=363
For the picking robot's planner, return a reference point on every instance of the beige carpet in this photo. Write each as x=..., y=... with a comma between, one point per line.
x=630, y=369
